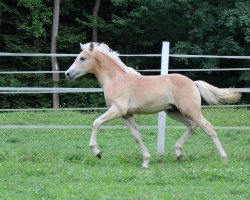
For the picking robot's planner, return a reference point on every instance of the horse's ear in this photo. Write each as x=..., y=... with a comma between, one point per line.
x=82, y=46
x=91, y=46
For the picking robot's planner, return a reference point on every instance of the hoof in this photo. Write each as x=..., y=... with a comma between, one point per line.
x=99, y=155
x=224, y=160
x=145, y=167
x=179, y=158
x=145, y=164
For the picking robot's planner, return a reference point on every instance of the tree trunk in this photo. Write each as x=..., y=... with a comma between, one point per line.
x=54, y=63
x=95, y=15
x=1, y=21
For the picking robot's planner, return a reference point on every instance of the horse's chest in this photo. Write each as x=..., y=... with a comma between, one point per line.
x=112, y=93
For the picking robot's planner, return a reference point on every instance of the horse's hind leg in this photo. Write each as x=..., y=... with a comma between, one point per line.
x=130, y=122
x=210, y=131
x=191, y=126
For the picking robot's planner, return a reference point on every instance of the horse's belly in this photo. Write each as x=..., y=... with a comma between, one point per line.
x=158, y=100
x=132, y=111
x=148, y=109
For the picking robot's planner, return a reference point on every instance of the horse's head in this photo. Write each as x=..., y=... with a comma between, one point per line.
x=83, y=64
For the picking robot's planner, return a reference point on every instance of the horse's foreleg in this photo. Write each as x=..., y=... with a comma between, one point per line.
x=191, y=126
x=110, y=114
x=130, y=122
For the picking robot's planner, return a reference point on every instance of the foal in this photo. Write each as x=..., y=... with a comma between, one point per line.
x=127, y=93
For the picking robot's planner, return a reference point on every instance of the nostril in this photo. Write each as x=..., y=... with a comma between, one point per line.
x=67, y=73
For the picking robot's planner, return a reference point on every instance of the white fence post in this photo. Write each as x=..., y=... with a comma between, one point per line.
x=162, y=115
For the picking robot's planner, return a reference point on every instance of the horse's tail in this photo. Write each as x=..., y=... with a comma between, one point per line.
x=214, y=95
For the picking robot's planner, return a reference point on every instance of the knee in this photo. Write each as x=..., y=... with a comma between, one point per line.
x=211, y=128
x=191, y=129
x=95, y=124
x=192, y=126
x=211, y=131
x=146, y=156
x=178, y=146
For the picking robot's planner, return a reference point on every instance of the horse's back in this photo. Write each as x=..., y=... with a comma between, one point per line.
x=149, y=94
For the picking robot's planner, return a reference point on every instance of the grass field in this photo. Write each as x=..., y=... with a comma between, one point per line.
x=57, y=164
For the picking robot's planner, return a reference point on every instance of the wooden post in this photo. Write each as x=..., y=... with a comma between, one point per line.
x=162, y=115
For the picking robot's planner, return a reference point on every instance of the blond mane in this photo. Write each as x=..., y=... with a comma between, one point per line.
x=114, y=55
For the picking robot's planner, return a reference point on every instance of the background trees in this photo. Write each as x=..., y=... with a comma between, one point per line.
x=191, y=26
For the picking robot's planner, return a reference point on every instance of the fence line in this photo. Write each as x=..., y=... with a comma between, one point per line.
x=142, y=70
x=122, y=55
x=104, y=108
x=208, y=56
x=38, y=90
x=109, y=127
x=196, y=70
x=52, y=109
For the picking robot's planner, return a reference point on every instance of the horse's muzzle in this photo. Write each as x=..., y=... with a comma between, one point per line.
x=69, y=76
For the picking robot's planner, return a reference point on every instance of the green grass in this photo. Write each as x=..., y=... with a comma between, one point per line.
x=57, y=164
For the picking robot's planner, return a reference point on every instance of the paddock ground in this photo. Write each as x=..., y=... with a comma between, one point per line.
x=57, y=163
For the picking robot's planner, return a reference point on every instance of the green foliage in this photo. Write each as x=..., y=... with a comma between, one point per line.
x=192, y=27
x=32, y=25
x=215, y=28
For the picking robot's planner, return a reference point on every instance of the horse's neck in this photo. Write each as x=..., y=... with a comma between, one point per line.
x=106, y=73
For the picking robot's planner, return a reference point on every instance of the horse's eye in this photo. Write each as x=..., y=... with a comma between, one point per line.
x=82, y=58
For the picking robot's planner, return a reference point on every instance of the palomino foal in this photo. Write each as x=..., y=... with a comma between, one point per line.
x=127, y=93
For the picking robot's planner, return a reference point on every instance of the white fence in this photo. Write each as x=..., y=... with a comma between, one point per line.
x=164, y=70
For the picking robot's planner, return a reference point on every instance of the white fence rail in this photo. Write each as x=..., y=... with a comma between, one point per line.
x=123, y=55
x=39, y=90
x=108, y=127
x=143, y=70
x=164, y=70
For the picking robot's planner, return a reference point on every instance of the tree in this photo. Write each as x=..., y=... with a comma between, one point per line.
x=95, y=15
x=1, y=20
x=54, y=62
x=24, y=29
x=217, y=28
